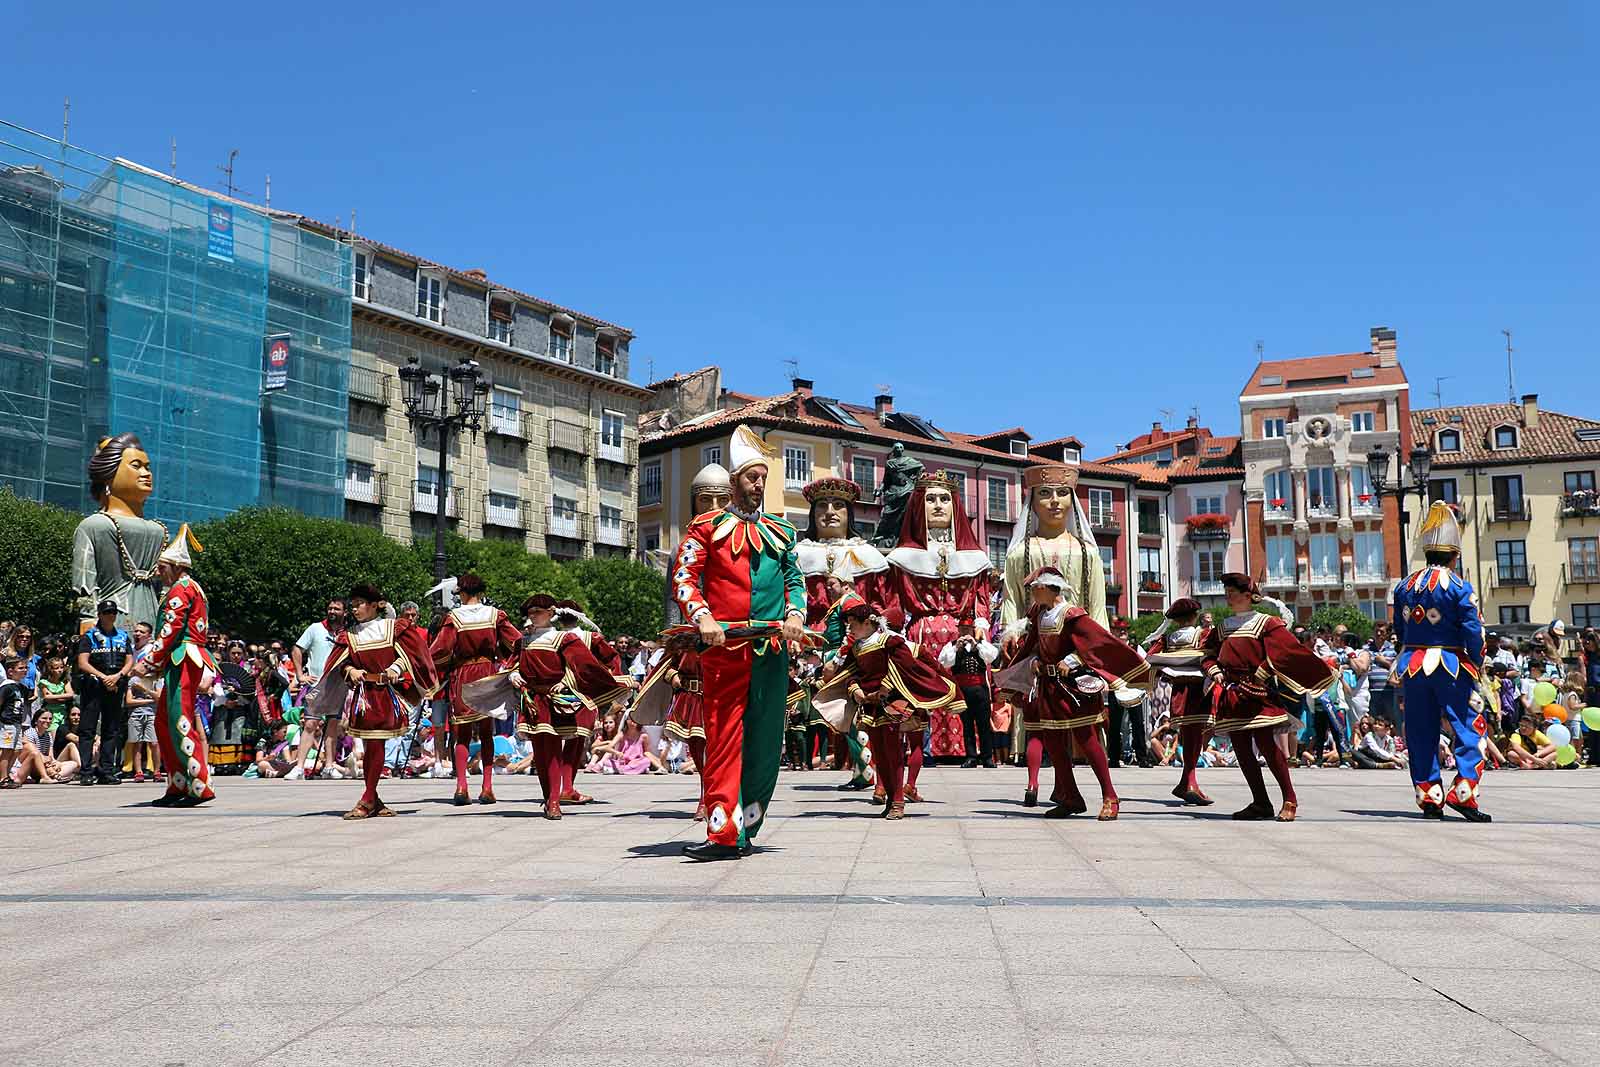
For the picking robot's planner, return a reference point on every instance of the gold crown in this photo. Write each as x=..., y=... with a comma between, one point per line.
x=1057, y=474
x=939, y=479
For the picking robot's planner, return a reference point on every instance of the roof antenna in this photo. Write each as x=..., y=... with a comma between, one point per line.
x=794, y=368
x=1166, y=415
x=352, y=222
x=1511, y=378
x=269, y=190
x=173, y=167
x=66, y=117
x=1260, y=348
x=1438, y=390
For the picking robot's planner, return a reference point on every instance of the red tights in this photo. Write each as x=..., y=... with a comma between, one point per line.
x=1246, y=743
x=697, y=752
x=547, y=764
x=913, y=743
x=889, y=757
x=1192, y=736
x=484, y=728
x=1086, y=740
x=371, y=769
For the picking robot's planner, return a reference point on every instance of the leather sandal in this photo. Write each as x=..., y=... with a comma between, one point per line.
x=912, y=796
x=1109, y=809
x=1192, y=798
x=552, y=810
x=362, y=810
x=897, y=810
x=1286, y=813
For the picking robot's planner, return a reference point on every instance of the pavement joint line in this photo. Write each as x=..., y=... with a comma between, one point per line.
x=1463, y=907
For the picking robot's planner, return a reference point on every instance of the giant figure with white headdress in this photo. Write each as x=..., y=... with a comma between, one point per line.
x=1053, y=531
x=1439, y=632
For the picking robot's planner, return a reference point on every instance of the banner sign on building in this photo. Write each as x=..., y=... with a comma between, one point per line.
x=219, y=231
x=275, y=362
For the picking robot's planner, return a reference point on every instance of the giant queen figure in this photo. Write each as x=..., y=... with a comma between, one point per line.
x=115, y=551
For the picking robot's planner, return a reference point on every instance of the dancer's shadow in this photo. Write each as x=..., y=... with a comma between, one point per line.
x=676, y=814
x=1373, y=813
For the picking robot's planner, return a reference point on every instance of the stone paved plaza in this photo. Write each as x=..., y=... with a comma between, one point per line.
x=263, y=929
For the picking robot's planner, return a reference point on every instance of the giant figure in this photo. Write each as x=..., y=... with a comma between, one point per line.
x=115, y=550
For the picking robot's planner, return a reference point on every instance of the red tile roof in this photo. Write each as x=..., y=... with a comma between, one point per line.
x=1206, y=466
x=1555, y=438
x=1320, y=372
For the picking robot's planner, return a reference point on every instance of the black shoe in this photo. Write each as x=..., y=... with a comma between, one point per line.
x=1469, y=814
x=187, y=801
x=1114, y=764
x=85, y=778
x=107, y=779
x=166, y=800
x=747, y=849
x=989, y=765
x=853, y=785
x=969, y=764
x=707, y=851
x=1030, y=798
x=1432, y=811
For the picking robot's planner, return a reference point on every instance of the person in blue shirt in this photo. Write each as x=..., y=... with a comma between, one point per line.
x=1439, y=632
x=105, y=656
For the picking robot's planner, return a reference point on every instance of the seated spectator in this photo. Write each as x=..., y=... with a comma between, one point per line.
x=34, y=760
x=1164, y=747
x=1530, y=748
x=274, y=757
x=626, y=753
x=1377, y=749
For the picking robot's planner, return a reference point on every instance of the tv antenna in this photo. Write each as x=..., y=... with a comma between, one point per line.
x=1511, y=378
x=794, y=368
x=1260, y=349
x=1166, y=415
x=227, y=171
x=1438, y=389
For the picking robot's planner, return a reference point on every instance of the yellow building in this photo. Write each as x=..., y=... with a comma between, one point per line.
x=1525, y=482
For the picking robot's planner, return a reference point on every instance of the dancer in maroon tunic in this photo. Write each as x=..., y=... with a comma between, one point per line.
x=1177, y=652
x=569, y=617
x=1077, y=662
x=686, y=721
x=471, y=642
x=1255, y=649
x=895, y=685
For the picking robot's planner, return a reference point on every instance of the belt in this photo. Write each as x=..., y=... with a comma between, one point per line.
x=1428, y=648
x=1049, y=670
x=475, y=659
x=692, y=686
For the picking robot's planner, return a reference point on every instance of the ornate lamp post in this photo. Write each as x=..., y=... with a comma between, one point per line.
x=1420, y=465
x=431, y=405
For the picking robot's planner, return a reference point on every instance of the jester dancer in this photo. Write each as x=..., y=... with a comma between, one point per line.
x=563, y=687
x=1177, y=652
x=1255, y=648
x=472, y=639
x=1439, y=631
x=895, y=686
x=831, y=549
x=1077, y=662
x=737, y=568
x=569, y=617
x=938, y=576
x=386, y=662
x=179, y=650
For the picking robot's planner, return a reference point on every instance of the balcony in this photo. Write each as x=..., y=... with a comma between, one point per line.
x=1508, y=511
x=425, y=500
x=562, y=522
x=1279, y=581
x=516, y=516
x=616, y=534
x=367, y=490
x=1113, y=591
x=624, y=452
x=1512, y=576
x=369, y=386
x=1277, y=510
x=1366, y=506
x=1580, y=504
x=1149, y=528
x=1371, y=578
x=511, y=423
x=1213, y=588
x=1585, y=573
x=569, y=437
x=1104, y=525
x=1321, y=509
x=1203, y=528
x=1325, y=581
x=1150, y=582
x=998, y=514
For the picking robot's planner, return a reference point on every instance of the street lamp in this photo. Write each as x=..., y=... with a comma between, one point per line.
x=1420, y=466
x=430, y=406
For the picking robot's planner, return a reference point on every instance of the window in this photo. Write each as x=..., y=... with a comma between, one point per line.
x=561, y=340
x=864, y=472
x=505, y=411
x=1101, y=509
x=1508, y=502
x=1150, y=570
x=1505, y=437
x=650, y=540
x=1322, y=491
x=1279, y=493
x=1272, y=428
x=961, y=486
x=711, y=454
x=1209, y=563
x=1068, y=455
x=1163, y=455
x=1511, y=561
x=427, y=479
x=361, y=482
x=430, y=297
x=1019, y=447
x=1584, y=615
x=1376, y=610
x=1280, y=559
x=999, y=502
x=1583, y=556
x=610, y=522
x=1513, y=613
x=1361, y=421
x=1578, y=482
x=611, y=423
x=1323, y=555
x=1362, y=498
x=1150, y=517
x=1108, y=559
x=1442, y=489
x=997, y=552
x=361, y=276
x=650, y=483
x=502, y=509
x=605, y=355
x=563, y=517
x=1369, y=555
x=1207, y=505
x=1449, y=441
x=502, y=313
x=796, y=466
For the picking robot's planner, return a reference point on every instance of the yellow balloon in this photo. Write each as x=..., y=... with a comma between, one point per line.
x=1566, y=756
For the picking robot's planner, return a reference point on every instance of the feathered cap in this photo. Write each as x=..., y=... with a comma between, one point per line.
x=571, y=609
x=848, y=567
x=939, y=479
x=711, y=476
x=747, y=449
x=842, y=489
x=1441, y=530
x=177, y=553
x=1049, y=576
x=1057, y=474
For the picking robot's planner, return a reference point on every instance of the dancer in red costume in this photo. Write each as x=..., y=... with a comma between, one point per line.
x=388, y=664
x=570, y=618
x=938, y=575
x=1255, y=648
x=1177, y=652
x=687, y=720
x=472, y=640
x=1077, y=663
x=563, y=686
x=895, y=685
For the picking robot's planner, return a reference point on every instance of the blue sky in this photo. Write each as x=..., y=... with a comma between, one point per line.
x=1008, y=213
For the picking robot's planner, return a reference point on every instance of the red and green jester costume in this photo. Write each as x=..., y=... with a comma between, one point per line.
x=179, y=652
x=741, y=570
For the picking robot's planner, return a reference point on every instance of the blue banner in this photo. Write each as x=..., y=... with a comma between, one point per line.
x=275, y=362
x=219, y=231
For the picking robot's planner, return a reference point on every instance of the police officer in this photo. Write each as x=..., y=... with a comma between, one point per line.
x=105, y=660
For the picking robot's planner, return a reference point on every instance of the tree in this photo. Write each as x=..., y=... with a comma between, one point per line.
x=1143, y=626
x=1331, y=615
x=511, y=574
x=460, y=554
x=624, y=596
x=270, y=571
x=36, y=567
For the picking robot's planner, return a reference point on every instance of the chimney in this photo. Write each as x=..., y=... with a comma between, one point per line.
x=1156, y=432
x=803, y=386
x=477, y=272
x=1192, y=424
x=1383, y=346
x=883, y=403
x=1530, y=410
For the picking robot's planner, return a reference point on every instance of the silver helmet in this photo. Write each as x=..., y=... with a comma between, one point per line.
x=711, y=476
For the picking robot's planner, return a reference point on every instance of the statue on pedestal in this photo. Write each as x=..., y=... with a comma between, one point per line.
x=116, y=549
x=900, y=474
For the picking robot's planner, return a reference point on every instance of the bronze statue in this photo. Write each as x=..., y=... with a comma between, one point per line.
x=115, y=550
x=900, y=474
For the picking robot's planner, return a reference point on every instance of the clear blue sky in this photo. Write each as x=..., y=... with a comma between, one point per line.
x=1010, y=213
